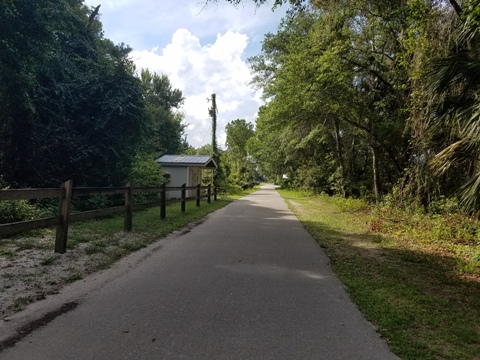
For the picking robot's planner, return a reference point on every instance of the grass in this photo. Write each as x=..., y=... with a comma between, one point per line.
x=237, y=194
x=8, y=253
x=147, y=222
x=26, y=244
x=21, y=302
x=105, y=240
x=418, y=296
x=48, y=260
x=73, y=274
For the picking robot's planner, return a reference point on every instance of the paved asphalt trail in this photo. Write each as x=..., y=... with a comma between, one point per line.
x=248, y=283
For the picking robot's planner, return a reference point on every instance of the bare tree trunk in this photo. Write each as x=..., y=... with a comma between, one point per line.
x=339, y=149
x=456, y=7
x=213, y=113
x=376, y=179
x=92, y=16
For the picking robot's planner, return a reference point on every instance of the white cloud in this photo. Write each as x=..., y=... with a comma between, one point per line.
x=148, y=22
x=205, y=59
x=200, y=70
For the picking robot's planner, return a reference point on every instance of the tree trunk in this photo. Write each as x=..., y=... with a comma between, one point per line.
x=376, y=179
x=341, y=162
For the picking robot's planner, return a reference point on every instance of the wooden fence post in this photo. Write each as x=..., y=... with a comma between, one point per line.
x=63, y=217
x=198, y=195
x=209, y=193
x=127, y=223
x=214, y=193
x=182, y=207
x=163, y=200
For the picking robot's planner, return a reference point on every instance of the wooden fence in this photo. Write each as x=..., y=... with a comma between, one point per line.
x=67, y=191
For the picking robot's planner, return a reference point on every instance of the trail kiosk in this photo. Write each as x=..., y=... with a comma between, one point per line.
x=185, y=169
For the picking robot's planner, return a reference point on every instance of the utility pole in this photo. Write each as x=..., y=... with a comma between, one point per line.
x=213, y=114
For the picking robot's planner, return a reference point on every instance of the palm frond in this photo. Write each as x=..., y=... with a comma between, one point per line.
x=470, y=194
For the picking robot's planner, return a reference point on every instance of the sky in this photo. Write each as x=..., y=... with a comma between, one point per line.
x=202, y=47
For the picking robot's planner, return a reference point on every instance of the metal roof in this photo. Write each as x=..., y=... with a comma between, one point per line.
x=187, y=160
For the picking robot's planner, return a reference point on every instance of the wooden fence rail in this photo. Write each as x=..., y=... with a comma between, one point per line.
x=66, y=192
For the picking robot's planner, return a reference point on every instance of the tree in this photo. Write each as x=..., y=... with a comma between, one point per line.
x=206, y=149
x=265, y=147
x=238, y=133
x=455, y=81
x=71, y=104
x=332, y=84
x=242, y=170
x=166, y=132
x=373, y=96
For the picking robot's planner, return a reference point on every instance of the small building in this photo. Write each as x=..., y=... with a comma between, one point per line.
x=185, y=169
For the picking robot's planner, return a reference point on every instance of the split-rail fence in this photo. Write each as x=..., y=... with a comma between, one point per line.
x=66, y=192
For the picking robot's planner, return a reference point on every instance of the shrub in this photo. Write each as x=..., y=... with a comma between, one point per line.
x=19, y=210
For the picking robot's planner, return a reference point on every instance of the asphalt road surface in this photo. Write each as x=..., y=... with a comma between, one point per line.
x=248, y=283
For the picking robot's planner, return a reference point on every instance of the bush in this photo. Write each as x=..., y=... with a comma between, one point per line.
x=19, y=210
x=233, y=188
x=146, y=172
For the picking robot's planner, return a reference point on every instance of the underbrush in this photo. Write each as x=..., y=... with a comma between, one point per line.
x=445, y=232
x=20, y=210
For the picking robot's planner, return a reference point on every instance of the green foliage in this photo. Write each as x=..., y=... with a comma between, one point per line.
x=454, y=80
x=206, y=149
x=96, y=202
x=241, y=170
x=333, y=100
x=19, y=210
x=443, y=229
x=146, y=172
x=369, y=98
x=72, y=107
x=165, y=133
x=238, y=133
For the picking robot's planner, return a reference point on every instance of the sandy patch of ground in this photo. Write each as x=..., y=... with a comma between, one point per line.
x=31, y=271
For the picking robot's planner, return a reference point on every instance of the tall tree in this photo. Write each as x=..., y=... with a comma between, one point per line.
x=242, y=171
x=166, y=133
x=73, y=107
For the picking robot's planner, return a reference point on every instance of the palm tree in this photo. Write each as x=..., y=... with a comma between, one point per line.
x=455, y=81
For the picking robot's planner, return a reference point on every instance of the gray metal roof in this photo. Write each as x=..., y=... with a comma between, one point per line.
x=187, y=160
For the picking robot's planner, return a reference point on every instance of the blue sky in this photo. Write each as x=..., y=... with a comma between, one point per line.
x=202, y=47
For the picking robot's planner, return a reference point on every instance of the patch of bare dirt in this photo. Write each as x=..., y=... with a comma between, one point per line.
x=30, y=270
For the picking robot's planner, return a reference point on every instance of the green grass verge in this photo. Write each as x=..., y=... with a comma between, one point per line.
x=105, y=237
x=234, y=195
x=420, y=304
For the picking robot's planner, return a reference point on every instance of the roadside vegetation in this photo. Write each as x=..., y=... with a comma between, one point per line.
x=416, y=277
